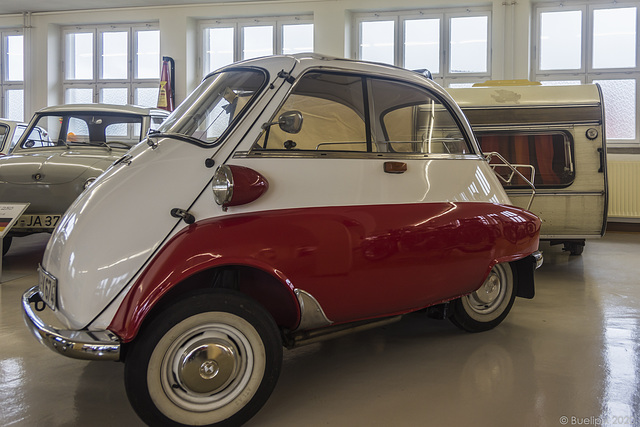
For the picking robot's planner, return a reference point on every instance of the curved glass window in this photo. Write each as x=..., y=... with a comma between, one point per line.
x=211, y=109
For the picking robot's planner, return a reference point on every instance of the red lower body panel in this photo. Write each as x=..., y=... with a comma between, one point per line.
x=358, y=261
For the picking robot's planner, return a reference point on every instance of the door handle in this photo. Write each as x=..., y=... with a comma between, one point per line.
x=395, y=167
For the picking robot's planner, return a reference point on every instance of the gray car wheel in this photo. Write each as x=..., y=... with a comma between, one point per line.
x=485, y=308
x=212, y=359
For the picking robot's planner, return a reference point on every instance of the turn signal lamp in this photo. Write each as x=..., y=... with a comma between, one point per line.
x=237, y=185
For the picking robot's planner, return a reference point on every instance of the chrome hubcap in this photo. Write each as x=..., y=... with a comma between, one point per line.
x=209, y=366
x=489, y=290
x=491, y=294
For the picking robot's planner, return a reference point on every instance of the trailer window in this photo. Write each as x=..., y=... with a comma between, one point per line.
x=551, y=154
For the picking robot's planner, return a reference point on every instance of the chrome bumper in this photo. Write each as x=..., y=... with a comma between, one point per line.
x=537, y=256
x=86, y=345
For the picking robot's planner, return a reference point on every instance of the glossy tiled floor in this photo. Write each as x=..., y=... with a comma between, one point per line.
x=573, y=351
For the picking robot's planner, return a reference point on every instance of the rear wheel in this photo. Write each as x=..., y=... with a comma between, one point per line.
x=212, y=359
x=485, y=308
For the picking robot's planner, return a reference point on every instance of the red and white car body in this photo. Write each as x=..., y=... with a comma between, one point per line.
x=293, y=206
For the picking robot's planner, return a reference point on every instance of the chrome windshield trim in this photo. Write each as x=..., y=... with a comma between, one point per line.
x=85, y=345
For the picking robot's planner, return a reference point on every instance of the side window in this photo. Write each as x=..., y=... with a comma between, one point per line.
x=333, y=116
x=78, y=131
x=156, y=121
x=411, y=120
x=549, y=153
x=38, y=138
x=4, y=131
x=17, y=133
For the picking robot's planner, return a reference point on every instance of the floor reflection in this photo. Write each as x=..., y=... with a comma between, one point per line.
x=572, y=351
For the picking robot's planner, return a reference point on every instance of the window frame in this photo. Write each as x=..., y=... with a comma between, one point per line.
x=97, y=82
x=587, y=74
x=371, y=123
x=238, y=24
x=6, y=84
x=444, y=77
x=515, y=131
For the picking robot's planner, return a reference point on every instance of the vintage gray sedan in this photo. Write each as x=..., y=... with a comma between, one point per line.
x=61, y=152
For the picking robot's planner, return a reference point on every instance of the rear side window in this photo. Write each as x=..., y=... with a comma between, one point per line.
x=551, y=154
x=414, y=121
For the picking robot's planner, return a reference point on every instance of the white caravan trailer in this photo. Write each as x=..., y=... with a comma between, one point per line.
x=558, y=133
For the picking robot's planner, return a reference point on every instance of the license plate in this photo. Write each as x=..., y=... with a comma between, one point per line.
x=37, y=221
x=48, y=288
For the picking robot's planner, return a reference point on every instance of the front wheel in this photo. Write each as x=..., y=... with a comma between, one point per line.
x=211, y=359
x=485, y=308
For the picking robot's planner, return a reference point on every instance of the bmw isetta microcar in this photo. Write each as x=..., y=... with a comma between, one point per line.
x=286, y=200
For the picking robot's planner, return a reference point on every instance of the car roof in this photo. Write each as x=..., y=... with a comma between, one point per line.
x=308, y=60
x=11, y=122
x=105, y=108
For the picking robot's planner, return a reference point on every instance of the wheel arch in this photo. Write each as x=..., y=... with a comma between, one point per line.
x=268, y=288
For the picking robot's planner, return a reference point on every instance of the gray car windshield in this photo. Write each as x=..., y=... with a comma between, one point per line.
x=215, y=105
x=84, y=128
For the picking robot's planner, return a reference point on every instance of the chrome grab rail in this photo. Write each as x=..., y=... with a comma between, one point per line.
x=514, y=172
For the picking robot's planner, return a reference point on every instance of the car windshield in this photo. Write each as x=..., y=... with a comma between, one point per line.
x=84, y=128
x=215, y=105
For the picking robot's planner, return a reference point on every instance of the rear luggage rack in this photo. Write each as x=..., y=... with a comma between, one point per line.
x=507, y=179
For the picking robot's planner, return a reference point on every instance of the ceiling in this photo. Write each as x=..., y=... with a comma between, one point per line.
x=20, y=6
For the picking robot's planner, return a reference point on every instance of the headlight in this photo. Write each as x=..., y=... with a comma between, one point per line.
x=88, y=182
x=237, y=185
x=223, y=185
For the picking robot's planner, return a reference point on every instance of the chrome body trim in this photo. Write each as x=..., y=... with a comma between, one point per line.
x=284, y=154
x=311, y=314
x=542, y=192
x=85, y=345
x=528, y=106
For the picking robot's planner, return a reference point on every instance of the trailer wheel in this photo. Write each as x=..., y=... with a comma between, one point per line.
x=485, y=308
x=574, y=248
x=211, y=359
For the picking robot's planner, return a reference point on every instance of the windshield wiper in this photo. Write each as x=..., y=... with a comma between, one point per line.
x=180, y=136
x=102, y=143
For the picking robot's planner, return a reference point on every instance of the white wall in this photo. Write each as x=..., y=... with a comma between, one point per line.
x=179, y=35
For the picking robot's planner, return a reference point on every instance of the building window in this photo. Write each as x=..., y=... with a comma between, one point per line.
x=12, y=74
x=227, y=41
x=452, y=44
x=593, y=43
x=112, y=64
